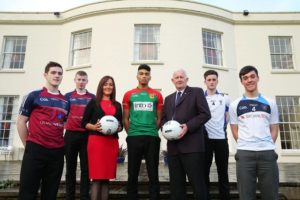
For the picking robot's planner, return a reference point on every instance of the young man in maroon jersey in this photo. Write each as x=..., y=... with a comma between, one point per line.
x=44, y=111
x=76, y=138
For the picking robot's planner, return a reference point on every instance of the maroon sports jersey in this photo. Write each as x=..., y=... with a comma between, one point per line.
x=47, y=113
x=77, y=103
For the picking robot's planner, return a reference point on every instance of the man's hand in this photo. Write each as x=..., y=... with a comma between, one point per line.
x=184, y=131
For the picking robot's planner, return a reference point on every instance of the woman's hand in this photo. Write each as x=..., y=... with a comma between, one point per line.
x=97, y=126
x=119, y=127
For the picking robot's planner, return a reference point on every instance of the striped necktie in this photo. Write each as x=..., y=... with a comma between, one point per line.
x=178, y=96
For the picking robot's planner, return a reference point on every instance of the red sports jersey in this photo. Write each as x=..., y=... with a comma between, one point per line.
x=47, y=113
x=77, y=103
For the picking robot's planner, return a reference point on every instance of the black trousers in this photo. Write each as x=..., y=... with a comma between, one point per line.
x=140, y=147
x=76, y=144
x=219, y=148
x=40, y=167
x=191, y=165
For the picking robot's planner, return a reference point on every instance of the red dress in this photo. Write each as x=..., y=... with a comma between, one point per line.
x=103, y=150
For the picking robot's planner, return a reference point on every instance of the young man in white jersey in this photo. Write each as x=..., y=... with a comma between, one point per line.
x=216, y=137
x=254, y=125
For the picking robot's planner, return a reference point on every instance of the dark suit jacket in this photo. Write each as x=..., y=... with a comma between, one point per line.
x=193, y=110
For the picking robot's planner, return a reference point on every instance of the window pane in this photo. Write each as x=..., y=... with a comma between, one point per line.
x=81, y=48
x=289, y=125
x=281, y=52
x=146, y=42
x=212, y=47
x=8, y=114
x=14, y=52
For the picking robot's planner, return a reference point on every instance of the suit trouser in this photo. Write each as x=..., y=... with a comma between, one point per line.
x=219, y=147
x=76, y=143
x=191, y=165
x=40, y=166
x=253, y=166
x=139, y=147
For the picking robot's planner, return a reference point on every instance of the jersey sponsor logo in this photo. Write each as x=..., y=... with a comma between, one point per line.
x=60, y=125
x=44, y=99
x=143, y=106
x=252, y=116
x=242, y=107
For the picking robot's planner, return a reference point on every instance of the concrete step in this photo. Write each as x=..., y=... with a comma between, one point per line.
x=118, y=191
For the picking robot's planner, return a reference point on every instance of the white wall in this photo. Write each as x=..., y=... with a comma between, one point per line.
x=244, y=41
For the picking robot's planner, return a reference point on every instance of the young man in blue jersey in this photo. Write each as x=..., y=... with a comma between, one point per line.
x=44, y=111
x=254, y=125
x=76, y=138
x=216, y=137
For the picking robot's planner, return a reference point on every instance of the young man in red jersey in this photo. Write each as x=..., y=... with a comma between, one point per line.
x=76, y=138
x=44, y=111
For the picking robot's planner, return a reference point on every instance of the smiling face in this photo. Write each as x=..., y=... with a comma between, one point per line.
x=249, y=81
x=108, y=88
x=180, y=80
x=54, y=76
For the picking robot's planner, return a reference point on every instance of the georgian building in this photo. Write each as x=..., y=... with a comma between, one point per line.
x=113, y=37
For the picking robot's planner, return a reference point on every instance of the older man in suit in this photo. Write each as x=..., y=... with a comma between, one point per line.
x=186, y=155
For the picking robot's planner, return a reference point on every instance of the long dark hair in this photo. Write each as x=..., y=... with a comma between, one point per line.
x=99, y=94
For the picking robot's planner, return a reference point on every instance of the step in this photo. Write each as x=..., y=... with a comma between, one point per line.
x=118, y=191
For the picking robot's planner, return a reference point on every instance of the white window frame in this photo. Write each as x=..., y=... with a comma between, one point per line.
x=212, y=43
x=289, y=121
x=8, y=116
x=281, y=52
x=146, y=47
x=13, y=56
x=84, y=48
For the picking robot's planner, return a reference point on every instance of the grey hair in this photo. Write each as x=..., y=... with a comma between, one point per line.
x=181, y=70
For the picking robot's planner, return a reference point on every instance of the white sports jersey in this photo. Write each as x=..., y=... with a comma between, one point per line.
x=254, y=117
x=218, y=106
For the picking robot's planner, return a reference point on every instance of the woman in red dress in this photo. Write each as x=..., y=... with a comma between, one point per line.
x=102, y=149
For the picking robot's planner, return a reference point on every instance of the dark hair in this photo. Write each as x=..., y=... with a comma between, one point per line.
x=52, y=64
x=246, y=70
x=81, y=73
x=210, y=72
x=145, y=67
x=99, y=93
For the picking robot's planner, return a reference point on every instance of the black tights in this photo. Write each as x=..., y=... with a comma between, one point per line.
x=99, y=190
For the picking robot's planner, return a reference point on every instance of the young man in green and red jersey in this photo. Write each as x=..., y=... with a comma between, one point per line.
x=142, y=109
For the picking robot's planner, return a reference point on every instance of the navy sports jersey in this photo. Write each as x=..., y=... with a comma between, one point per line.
x=77, y=104
x=47, y=113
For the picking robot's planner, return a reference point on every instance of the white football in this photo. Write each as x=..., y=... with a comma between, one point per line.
x=109, y=125
x=171, y=130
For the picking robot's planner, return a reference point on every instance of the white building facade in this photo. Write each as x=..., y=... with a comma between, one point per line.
x=114, y=37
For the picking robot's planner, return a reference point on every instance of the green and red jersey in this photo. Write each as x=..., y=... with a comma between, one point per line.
x=143, y=106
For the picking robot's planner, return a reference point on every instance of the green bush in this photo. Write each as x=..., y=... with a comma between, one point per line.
x=7, y=184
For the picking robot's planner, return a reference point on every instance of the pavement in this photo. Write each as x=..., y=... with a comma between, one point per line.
x=288, y=172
